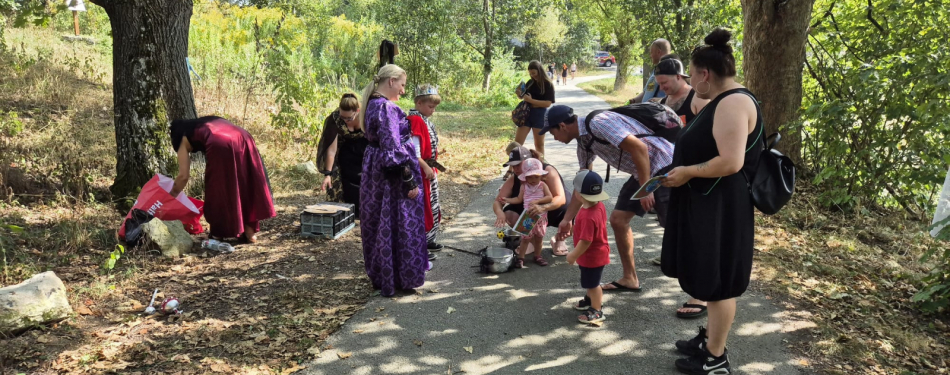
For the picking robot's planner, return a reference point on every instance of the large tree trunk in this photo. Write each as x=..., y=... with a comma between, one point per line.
x=625, y=59
x=773, y=51
x=151, y=86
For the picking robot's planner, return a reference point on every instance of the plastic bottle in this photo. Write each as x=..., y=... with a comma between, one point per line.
x=215, y=245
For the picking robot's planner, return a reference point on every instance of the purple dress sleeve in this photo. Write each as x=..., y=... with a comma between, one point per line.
x=392, y=133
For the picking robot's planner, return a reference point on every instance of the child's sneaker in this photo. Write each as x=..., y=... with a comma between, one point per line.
x=592, y=316
x=583, y=304
x=518, y=263
x=705, y=364
x=694, y=346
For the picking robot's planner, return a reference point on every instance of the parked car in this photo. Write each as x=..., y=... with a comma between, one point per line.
x=604, y=58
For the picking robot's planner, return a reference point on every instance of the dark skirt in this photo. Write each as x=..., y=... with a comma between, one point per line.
x=708, y=240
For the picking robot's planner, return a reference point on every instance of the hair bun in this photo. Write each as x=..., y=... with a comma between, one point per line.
x=718, y=38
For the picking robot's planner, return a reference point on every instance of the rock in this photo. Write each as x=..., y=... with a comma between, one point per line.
x=39, y=300
x=169, y=236
x=308, y=168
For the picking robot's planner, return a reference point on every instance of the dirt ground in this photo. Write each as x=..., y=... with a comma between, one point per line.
x=265, y=308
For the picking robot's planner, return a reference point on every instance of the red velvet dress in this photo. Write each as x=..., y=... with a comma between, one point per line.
x=237, y=192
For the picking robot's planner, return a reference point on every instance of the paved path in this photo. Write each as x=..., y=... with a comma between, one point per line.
x=521, y=321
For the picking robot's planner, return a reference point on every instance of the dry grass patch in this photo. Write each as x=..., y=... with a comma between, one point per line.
x=604, y=89
x=856, y=273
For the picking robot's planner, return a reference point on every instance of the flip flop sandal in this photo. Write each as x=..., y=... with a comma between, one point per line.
x=618, y=287
x=558, y=251
x=692, y=315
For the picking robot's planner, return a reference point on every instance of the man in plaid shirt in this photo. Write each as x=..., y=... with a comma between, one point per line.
x=620, y=147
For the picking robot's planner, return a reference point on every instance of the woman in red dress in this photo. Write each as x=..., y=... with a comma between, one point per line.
x=237, y=193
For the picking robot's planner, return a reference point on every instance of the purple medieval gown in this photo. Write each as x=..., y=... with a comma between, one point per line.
x=392, y=225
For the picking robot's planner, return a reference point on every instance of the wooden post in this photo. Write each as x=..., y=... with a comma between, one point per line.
x=76, y=21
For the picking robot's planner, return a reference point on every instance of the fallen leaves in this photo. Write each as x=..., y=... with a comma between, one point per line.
x=344, y=355
x=468, y=349
x=450, y=310
x=417, y=342
x=83, y=310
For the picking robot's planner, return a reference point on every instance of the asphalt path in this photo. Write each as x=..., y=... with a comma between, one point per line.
x=466, y=322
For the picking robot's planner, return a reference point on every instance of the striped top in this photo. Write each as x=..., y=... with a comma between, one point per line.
x=614, y=128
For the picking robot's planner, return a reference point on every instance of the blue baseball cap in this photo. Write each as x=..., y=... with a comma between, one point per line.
x=590, y=186
x=555, y=115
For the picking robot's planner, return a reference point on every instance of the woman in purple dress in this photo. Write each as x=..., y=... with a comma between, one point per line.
x=392, y=220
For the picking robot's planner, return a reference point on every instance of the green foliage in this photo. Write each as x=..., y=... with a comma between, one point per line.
x=114, y=257
x=875, y=100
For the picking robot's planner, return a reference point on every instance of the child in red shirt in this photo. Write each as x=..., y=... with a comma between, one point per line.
x=591, y=250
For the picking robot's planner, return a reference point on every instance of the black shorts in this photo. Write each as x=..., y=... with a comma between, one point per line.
x=661, y=200
x=590, y=277
x=554, y=217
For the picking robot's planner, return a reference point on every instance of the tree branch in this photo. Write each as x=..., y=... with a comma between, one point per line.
x=873, y=21
x=825, y=15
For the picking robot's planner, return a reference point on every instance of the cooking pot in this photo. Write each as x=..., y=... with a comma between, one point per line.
x=496, y=259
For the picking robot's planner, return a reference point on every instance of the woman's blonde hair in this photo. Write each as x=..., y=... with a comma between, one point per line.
x=390, y=71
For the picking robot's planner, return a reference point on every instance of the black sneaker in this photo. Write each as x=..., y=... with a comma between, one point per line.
x=694, y=346
x=433, y=256
x=583, y=304
x=705, y=364
x=434, y=247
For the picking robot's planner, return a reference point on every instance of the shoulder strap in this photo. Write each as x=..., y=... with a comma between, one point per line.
x=593, y=137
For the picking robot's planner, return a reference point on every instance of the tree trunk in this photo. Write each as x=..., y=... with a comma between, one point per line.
x=151, y=86
x=487, y=20
x=773, y=51
x=624, y=59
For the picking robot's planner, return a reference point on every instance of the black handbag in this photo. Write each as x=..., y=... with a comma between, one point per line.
x=774, y=181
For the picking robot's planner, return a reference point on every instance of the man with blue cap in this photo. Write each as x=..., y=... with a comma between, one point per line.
x=628, y=145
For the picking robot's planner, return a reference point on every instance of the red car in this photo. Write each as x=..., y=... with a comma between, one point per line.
x=604, y=58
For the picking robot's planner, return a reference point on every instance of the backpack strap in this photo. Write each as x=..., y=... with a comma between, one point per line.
x=589, y=146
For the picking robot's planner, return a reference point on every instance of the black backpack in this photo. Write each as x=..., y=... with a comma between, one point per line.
x=774, y=181
x=656, y=117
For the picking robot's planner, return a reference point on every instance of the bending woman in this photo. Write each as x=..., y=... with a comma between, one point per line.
x=340, y=154
x=237, y=193
x=392, y=218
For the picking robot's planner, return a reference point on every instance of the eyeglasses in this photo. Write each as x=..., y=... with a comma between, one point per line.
x=351, y=118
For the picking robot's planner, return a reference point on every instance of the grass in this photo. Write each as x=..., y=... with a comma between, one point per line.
x=604, y=89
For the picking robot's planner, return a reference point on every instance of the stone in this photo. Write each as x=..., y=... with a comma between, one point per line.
x=39, y=300
x=169, y=237
x=308, y=168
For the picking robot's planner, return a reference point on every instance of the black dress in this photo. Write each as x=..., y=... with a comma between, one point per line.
x=710, y=225
x=348, y=163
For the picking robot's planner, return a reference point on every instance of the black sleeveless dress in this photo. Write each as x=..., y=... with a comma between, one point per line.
x=709, y=233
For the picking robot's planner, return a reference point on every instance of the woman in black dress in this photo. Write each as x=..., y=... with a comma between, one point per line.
x=540, y=95
x=340, y=153
x=710, y=226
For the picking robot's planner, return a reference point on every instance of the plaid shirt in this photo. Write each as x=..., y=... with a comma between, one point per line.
x=614, y=128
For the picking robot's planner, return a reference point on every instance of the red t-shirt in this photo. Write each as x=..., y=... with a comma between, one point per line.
x=591, y=225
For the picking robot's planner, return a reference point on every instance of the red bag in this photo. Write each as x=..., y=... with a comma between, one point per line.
x=156, y=200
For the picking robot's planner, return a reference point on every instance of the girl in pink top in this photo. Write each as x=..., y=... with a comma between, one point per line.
x=533, y=192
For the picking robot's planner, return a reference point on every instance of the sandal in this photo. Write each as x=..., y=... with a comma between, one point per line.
x=518, y=263
x=540, y=261
x=691, y=315
x=558, y=251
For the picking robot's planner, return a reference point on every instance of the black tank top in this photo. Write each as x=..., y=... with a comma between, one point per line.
x=685, y=111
